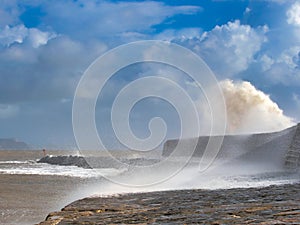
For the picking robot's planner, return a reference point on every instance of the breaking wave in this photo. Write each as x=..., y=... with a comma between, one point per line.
x=250, y=110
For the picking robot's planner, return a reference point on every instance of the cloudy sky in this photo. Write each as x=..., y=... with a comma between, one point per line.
x=45, y=47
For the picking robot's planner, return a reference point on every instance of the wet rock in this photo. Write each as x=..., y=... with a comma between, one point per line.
x=231, y=206
x=64, y=160
x=95, y=162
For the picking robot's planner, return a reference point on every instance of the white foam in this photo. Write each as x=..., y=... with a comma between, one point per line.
x=13, y=162
x=26, y=167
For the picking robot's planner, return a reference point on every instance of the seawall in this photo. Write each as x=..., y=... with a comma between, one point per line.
x=281, y=148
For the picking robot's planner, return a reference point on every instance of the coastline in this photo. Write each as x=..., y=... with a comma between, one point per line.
x=276, y=204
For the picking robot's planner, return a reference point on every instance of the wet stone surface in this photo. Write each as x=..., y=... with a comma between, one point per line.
x=268, y=205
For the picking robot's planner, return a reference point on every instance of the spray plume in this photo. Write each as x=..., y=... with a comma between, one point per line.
x=250, y=110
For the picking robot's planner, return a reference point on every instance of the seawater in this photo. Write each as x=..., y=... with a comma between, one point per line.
x=30, y=190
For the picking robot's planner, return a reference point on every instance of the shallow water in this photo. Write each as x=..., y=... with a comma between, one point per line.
x=27, y=197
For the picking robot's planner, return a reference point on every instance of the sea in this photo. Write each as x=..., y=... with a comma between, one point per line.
x=29, y=191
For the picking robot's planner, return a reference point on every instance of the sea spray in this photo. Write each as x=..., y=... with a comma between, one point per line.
x=250, y=161
x=250, y=110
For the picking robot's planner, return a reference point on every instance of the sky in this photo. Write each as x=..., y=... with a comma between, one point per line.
x=253, y=47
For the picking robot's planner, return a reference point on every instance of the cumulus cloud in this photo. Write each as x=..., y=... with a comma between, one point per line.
x=12, y=35
x=20, y=33
x=230, y=48
x=266, y=62
x=293, y=14
x=250, y=110
x=279, y=58
x=290, y=57
x=233, y=44
x=47, y=73
x=283, y=69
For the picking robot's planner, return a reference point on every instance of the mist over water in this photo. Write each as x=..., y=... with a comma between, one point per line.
x=243, y=161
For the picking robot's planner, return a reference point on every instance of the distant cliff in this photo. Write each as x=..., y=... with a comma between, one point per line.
x=12, y=144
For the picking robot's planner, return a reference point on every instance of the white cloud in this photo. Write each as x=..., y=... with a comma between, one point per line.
x=20, y=34
x=247, y=10
x=266, y=62
x=38, y=38
x=89, y=19
x=12, y=35
x=293, y=14
x=229, y=49
x=234, y=45
x=290, y=56
x=103, y=18
x=50, y=72
x=279, y=59
x=285, y=68
x=182, y=34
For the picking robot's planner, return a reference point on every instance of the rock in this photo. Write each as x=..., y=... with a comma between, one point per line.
x=65, y=161
x=95, y=162
x=229, y=206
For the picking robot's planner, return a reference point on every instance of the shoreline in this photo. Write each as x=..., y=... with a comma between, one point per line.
x=276, y=204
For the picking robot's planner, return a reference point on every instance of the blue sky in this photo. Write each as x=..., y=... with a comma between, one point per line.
x=45, y=46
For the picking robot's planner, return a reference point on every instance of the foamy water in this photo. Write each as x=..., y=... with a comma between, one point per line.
x=220, y=176
x=33, y=168
x=191, y=178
